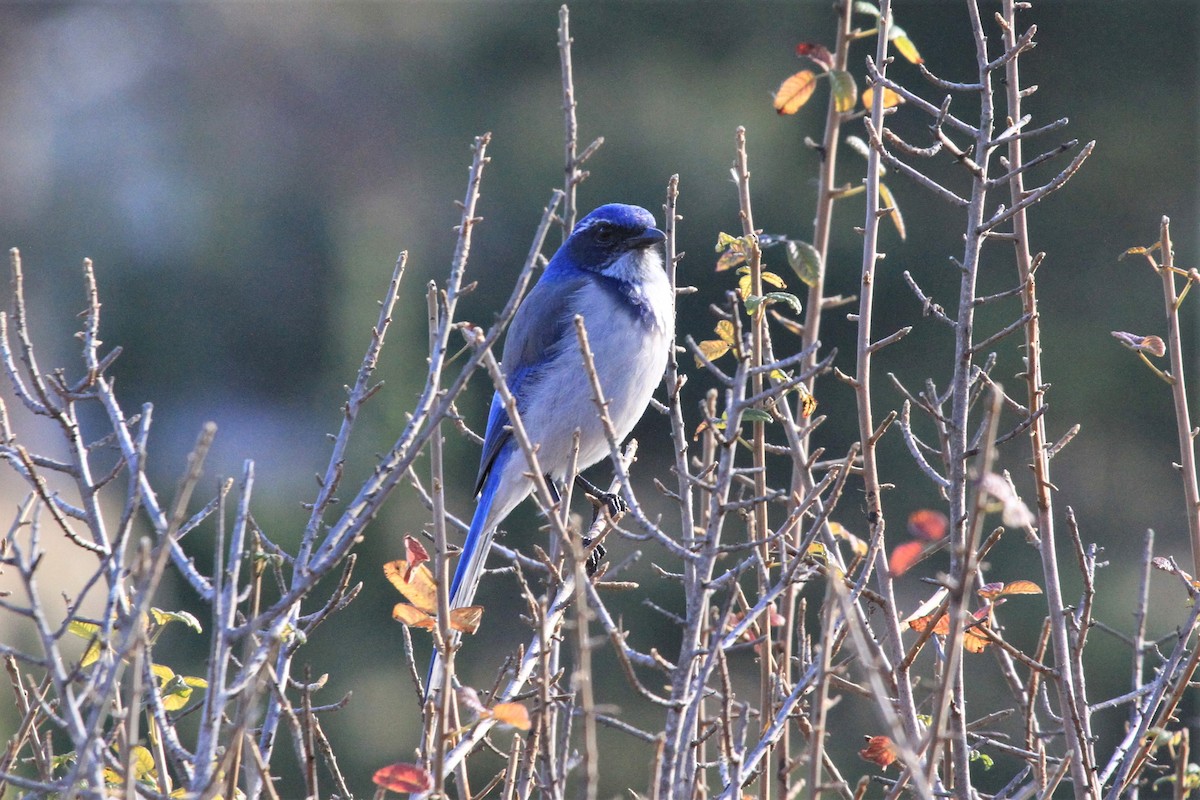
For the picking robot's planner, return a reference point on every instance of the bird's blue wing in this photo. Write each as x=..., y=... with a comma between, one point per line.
x=537, y=331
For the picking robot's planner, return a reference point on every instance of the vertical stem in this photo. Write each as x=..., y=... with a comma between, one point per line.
x=571, y=127
x=758, y=446
x=441, y=566
x=1076, y=721
x=1183, y=421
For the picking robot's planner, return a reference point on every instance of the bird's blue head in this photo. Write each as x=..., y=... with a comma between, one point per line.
x=610, y=233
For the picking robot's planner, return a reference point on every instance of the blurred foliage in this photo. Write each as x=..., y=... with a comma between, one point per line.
x=244, y=175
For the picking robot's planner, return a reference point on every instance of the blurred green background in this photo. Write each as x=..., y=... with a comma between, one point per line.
x=244, y=175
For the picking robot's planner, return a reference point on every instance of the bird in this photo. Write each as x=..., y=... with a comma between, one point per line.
x=610, y=271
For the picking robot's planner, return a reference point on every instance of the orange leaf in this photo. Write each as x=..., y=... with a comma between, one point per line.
x=513, y=714
x=890, y=98
x=466, y=619
x=795, y=91
x=1021, y=587
x=879, y=750
x=403, y=778
x=904, y=556
x=417, y=555
x=974, y=641
x=413, y=616
x=919, y=619
x=928, y=525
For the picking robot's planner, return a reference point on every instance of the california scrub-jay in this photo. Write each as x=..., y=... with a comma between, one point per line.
x=609, y=271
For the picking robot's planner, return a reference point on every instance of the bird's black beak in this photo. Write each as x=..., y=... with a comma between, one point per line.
x=648, y=237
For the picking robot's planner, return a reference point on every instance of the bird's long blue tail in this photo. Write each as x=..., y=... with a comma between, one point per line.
x=475, y=549
x=471, y=561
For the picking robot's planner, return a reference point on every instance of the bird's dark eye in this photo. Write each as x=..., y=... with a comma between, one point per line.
x=605, y=234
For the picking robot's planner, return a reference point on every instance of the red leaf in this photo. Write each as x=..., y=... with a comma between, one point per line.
x=879, y=750
x=904, y=556
x=416, y=554
x=816, y=52
x=403, y=778
x=928, y=525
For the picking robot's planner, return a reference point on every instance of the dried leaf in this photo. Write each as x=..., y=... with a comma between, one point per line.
x=1151, y=345
x=817, y=53
x=403, y=778
x=845, y=91
x=413, y=617
x=879, y=750
x=466, y=619
x=863, y=7
x=712, y=350
x=795, y=91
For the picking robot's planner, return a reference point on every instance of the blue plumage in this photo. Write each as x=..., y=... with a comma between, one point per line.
x=609, y=270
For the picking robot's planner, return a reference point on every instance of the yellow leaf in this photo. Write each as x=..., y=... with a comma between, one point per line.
x=890, y=98
x=857, y=545
x=416, y=585
x=904, y=45
x=724, y=330
x=773, y=279
x=513, y=714
x=745, y=284
x=795, y=91
x=808, y=403
x=735, y=254
x=889, y=201
x=87, y=630
x=712, y=350
x=817, y=551
x=143, y=764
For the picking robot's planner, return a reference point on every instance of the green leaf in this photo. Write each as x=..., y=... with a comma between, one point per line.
x=845, y=91
x=161, y=617
x=984, y=759
x=756, y=415
x=752, y=302
x=863, y=7
x=804, y=260
x=784, y=297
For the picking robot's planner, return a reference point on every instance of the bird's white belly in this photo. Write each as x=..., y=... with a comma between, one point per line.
x=630, y=357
